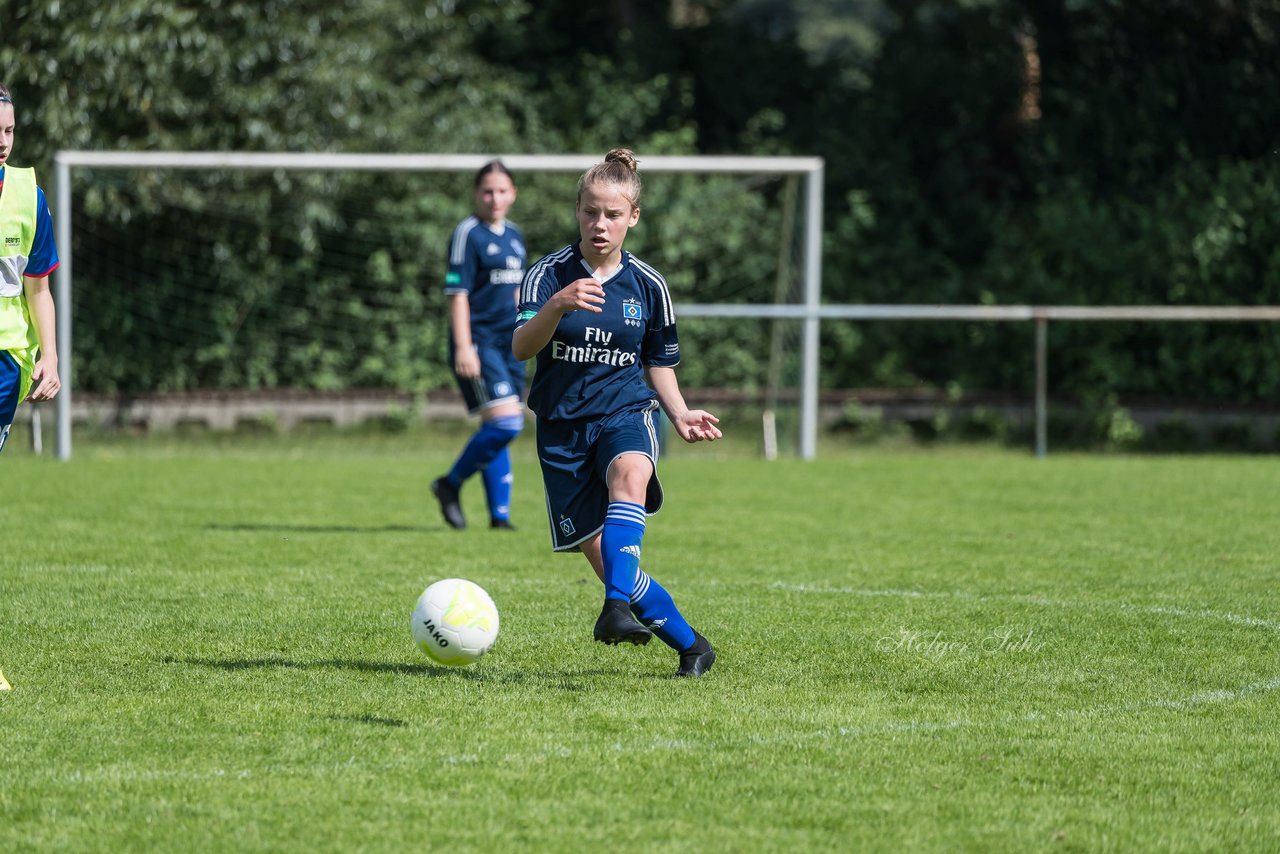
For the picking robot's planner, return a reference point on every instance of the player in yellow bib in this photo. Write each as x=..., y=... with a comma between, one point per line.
x=28, y=343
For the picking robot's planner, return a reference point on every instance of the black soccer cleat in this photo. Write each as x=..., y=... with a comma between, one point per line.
x=616, y=625
x=697, y=659
x=450, y=508
x=501, y=524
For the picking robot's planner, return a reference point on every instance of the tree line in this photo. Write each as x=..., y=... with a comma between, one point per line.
x=977, y=151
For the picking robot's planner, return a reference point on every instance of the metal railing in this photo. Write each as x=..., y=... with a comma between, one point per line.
x=1039, y=314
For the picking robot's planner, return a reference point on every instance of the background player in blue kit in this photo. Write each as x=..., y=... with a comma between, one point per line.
x=28, y=343
x=486, y=264
x=600, y=322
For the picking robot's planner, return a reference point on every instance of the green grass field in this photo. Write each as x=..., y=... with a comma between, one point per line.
x=955, y=649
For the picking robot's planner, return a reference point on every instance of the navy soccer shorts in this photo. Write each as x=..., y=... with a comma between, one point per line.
x=575, y=458
x=10, y=388
x=501, y=377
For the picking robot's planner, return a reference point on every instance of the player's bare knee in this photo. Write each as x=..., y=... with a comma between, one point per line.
x=629, y=478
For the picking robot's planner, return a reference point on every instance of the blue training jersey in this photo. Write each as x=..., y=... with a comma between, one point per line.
x=44, y=252
x=487, y=265
x=593, y=366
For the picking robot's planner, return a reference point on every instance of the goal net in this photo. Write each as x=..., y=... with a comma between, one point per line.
x=210, y=272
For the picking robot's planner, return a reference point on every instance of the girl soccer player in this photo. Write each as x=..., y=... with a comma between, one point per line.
x=486, y=263
x=600, y=322
x=28, y=348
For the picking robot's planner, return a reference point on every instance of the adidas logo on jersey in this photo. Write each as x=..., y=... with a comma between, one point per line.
x=493, y=249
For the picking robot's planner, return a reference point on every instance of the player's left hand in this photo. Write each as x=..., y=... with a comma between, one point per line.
x=44, y=381
x=697, y=425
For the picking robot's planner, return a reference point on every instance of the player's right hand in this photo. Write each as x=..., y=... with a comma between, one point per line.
x=466, y=363
x=584, y=293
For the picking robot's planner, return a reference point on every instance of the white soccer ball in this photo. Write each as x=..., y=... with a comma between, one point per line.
x=455, y=622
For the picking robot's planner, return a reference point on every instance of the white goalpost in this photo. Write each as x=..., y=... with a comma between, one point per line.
x=809, y=169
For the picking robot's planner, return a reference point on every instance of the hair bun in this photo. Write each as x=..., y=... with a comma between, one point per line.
x=619, y=171
x=623, y=156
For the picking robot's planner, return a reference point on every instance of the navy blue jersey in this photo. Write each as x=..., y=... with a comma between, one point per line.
x=487, y=266
x=593, y=366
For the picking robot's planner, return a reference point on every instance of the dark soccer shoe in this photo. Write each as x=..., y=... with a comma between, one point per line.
x=502, y=524
x=697, y=659
x=450, y=508
x=616, y=625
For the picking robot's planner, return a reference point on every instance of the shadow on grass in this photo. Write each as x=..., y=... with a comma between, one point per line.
x=368, y=719
x=564, y=680
x=331, y=664
x=322, y=529
x=577, y=680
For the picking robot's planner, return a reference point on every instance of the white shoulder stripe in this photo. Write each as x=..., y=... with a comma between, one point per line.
x=664, y=295
x=458, y=248
x=532, y=279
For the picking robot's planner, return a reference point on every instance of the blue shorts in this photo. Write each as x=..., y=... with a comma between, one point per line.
x=501, y=377
x=575, y=458
x=10, y=389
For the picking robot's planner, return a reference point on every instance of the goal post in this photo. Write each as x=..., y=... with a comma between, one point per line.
x=810, y=169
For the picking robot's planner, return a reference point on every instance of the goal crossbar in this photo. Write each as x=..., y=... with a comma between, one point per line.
x=424, y=162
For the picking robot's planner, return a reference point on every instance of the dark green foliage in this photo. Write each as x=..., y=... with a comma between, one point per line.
x=1149, y=178
x=1146, y=173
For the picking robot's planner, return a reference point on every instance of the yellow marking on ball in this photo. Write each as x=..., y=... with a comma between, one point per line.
x=467, y=609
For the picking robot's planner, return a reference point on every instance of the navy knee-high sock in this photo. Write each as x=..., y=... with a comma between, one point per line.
x=620, y=548
x=483, y=446
x=497, y=485
x=654, y=607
